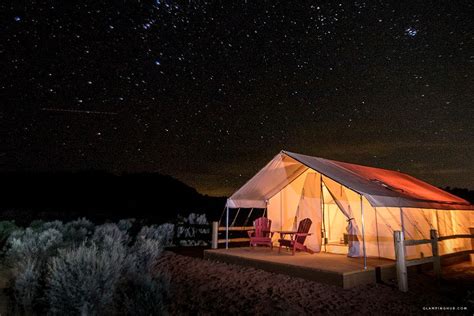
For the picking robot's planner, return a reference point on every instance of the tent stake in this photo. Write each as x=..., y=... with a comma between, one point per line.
x=363, y=231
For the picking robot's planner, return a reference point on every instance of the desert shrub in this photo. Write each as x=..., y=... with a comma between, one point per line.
x=149, y=232
x=194, y=218
x=77, y=268
x=40, y=225
x=58, y=225
x=163, y=233
x=18, y=233
x=83, y=280
x=36, y=224
x=140, y=293
x=167, y=231
x=143, y=255
x=25, y=244
x=6, y=228
x=188, y=235
x=27, y=252
x=143, y=295
x=109, y=235
x=75, y=232
x=27, y=283
x=125, y=224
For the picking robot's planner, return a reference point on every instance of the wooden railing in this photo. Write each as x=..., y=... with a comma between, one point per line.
x=216, y=230
x=402, y=263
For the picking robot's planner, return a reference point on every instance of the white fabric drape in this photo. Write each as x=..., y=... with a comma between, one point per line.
x=340, y=198
x=309, y=206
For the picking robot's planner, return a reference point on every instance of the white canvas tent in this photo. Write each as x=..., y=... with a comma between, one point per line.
x=363, y=205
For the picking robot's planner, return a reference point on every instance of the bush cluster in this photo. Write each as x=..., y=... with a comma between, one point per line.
x=80, y=268
x=6, y=228
x=189, y=236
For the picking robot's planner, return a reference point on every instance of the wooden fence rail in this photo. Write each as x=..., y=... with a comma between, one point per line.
x=215, y=234
x=236, y=228
x=402, y=263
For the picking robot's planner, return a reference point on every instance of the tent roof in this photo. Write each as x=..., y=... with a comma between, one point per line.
x=380, y=187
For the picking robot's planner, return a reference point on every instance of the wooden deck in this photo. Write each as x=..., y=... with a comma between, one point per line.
x=334, y=269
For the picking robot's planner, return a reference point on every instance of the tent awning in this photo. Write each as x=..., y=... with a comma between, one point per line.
x=381, y=187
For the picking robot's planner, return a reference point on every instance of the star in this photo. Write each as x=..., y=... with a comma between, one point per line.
x=316, y=78
x=411, y=31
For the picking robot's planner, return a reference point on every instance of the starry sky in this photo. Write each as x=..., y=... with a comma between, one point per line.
x=209, y=91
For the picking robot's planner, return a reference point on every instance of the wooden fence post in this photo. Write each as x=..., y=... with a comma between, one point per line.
x=400, y=261
x=215, y=233
x=436, y=258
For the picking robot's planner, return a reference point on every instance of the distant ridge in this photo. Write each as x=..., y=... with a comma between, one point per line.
x=101, y=196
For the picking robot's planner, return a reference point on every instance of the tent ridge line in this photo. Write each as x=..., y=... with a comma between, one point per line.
x=367, y=195
x=398, y=194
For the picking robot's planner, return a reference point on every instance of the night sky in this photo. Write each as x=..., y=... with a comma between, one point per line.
x=209, y=91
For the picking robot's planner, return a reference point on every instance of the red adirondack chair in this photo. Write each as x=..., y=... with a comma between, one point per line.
x=297, y=238
x=261, y=235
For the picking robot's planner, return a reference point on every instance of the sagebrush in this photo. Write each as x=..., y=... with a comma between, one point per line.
x=80, y=268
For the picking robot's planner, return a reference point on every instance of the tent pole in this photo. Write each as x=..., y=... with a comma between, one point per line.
x=363, y=231
x=281, y=210
x=323, y=233
x=402, y=222
x=227, y=227
x=377, y=231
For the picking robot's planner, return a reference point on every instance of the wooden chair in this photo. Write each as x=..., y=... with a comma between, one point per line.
x=298, y=238
x=261, y=235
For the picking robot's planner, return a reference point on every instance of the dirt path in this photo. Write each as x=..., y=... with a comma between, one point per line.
x=204, y=287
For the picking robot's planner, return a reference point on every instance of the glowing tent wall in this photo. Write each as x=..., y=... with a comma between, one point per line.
x=282, y=206
x=379, y=222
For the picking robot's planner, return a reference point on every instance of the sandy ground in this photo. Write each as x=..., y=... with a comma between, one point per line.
x=4, y=300
x=209, y=288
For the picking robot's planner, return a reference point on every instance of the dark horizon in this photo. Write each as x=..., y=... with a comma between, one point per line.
x=210, y=91
x=96, y=172
x=152, y=180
